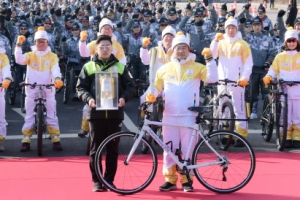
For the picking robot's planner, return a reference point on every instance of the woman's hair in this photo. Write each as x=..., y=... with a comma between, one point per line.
x=103, y=37
x=285, y=47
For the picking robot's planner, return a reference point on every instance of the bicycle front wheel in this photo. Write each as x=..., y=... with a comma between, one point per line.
x=39, y=129
x=267, y=119
x=127, y=178
x=23, y=95
x=229, y=176
x=281, y=123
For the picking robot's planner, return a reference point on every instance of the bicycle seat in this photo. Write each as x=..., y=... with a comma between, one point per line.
x=201, y=109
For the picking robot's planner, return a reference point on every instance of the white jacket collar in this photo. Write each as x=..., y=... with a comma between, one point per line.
x=191, y=56
x=238, y=35
x=40, y=53
x=292, y=52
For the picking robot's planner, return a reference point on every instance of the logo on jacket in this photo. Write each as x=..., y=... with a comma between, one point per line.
x=298, y=61
x=171, y=77
x=190, y=72
x=35, y=65
x=47, y=63
x=285, y=64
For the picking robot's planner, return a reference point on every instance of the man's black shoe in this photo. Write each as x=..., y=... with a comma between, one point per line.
x=167, y=187
x=186, y=187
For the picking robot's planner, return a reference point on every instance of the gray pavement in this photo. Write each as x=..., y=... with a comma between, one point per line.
x=70, y=120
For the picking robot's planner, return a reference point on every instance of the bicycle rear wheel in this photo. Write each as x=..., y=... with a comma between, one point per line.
x=39, y=129
x=129, y=178
x=23, y=95
x=68, y=86
x=281, y=123
x=226, y=113
x=267, y=119
x=12, y=89
x=229, y=176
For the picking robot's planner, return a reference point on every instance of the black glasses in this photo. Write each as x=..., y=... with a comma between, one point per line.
x=23, y=29
x=163, y=25
x=220, y=25
x=198, y=16
x=75, y=29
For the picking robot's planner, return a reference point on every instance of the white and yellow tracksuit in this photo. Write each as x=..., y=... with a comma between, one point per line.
x=4, y=73
x=91, y=49
x=161, y=58
x=286, y=66
x=235, y=62
x=42, y=68
x=181, y=82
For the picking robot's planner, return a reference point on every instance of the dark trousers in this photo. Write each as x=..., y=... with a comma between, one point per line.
x=137, y=67
x=258, y=85
x=21, y=69
x=99, y=131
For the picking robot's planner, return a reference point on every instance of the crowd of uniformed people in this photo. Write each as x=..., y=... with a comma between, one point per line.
x=243, y=47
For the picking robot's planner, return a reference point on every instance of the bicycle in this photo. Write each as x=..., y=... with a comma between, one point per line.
x=222, y=115
x=275, y=108
x=12, y=89
x=40, y=113
x=23, y=96
x=69, y=79
x=228, y=172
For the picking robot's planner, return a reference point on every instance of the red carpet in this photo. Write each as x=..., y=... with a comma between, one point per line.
x=277, y=176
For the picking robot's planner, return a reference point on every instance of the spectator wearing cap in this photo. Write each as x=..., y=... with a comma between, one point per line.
x=277, y=39
x=24, y=9
x=263, y=53
x=72, y=5
x=159, y=13
x=188, y=10
x=221, y=25
x=44, y=11
x=145, y=6
x=267, y=23
x=244, y=13
x=88, y=10
x=93, y=7
x=95, y=26
x=133, y=41
x=63, y=30
x=235, y=66
x=105, y=28
x=138, y=4
x=15, y=4
x=71, y=50
x=26, y=47
x=223, y=10
x=173, y=19
x=146, y=19
x=47, y=22
x=195, y=33
x=111, y=15
x=158, y=5
x=85, y=26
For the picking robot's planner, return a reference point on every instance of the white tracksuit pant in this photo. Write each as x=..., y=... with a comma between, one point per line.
x=176, y=135
x=2, y=115
x=51, y=119
x=293, y=131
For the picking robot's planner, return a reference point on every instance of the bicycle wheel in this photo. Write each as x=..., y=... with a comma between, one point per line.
x=225, y=177
x=226, y=113
x=131, y=177
x=68, y=86
x=281, y=123
x=207, y=102
x=39, y=129
x=267, y=119
x=23, y=95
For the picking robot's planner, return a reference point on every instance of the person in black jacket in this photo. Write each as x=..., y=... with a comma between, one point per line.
x=103, y=123
x=291, y=13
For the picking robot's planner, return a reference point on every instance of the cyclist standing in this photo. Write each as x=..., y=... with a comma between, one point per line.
x=5, y=78
x=42, y=68
x=286, y=66
x=235, y=64
x=180, y=78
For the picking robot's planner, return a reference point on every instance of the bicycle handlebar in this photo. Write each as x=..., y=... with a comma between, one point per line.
x=281, y=81
x=32, y=86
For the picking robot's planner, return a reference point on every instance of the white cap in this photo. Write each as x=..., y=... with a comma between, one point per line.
x=41, y=34
x=231, y=21
x=180, y=38
x=290, y=33
x=104, y=22
x=168, y=30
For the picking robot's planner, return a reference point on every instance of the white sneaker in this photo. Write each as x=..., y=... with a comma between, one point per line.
x=1, y=146
x=253, y=116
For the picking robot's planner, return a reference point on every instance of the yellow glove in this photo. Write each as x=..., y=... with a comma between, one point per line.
x=150, y=98
x=21, y=39
x=146, y=42
x=219, y=36
x=243, y=82
x=58, y=83
x=206, y=52
x=267, y=80
x=6, y=83
x=83, y=35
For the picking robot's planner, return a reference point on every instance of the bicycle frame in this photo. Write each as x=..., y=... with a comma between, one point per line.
x=147, y=129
